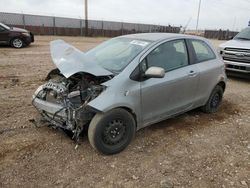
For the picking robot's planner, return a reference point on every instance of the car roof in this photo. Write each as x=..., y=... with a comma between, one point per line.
x=158, y=36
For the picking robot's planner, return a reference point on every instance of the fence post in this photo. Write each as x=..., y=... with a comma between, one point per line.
x=86, y=27
x=81, y=27
x=227, y=35
x=43, y=30
x=122, y=28
x=220, y=34
x=24, y=21
x=102, y=28
x=54, y=25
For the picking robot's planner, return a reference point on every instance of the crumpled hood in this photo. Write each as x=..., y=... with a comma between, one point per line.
x=245, y=44
x=69, y=60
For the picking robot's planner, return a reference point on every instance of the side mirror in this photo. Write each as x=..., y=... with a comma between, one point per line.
x=155, y=72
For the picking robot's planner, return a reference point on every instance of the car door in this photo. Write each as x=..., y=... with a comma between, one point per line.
x=3, y=35
x=209, y=67
x=163, y=97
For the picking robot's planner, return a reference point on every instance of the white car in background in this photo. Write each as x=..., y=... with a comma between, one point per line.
x=236, y=53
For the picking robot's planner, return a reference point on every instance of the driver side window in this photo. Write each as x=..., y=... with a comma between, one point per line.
x=169, y=56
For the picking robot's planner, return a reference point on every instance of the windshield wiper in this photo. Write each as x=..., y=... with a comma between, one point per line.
x=242, y=38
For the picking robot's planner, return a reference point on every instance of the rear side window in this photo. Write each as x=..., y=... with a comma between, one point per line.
x=202, y=51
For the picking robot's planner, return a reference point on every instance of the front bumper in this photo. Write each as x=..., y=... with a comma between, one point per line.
x=63, y=116
x=237, y=66
x=66, y=114
x=55, y=114
x=49, y=108
x=32, y=37
x=28, y=39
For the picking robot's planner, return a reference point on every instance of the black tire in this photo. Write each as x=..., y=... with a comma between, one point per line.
x=111, y=132
x=17, y=43
x=214, y=100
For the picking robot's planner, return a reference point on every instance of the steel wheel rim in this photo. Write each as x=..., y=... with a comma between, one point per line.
x=114, y=133
x=17, y=43
x=215, y=100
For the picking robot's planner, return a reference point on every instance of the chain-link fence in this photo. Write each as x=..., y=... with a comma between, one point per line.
x=48, y=25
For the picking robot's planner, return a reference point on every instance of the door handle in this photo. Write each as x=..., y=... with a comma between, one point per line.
x=192, y=73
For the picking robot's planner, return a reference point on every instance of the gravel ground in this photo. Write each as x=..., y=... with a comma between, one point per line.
x=191, y=150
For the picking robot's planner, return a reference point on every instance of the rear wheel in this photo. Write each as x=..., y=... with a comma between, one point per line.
x=214, y=100
x=17, y=43
x=111, y=132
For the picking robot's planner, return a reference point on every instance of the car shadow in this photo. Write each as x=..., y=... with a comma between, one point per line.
x=238, y=76
x=5, y=46
x=196, y=118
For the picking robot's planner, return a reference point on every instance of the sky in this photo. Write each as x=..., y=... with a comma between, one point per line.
x=214, y=14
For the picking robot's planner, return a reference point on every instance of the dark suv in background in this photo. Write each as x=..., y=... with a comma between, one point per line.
x=15, y=37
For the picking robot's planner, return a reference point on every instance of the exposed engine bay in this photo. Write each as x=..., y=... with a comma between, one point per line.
x=63, y=102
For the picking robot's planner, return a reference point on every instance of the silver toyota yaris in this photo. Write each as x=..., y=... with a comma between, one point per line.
x=127, y=83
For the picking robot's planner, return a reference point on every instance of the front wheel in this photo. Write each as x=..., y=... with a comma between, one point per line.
x=111, y=132
x=17, y=43
x=214, y=100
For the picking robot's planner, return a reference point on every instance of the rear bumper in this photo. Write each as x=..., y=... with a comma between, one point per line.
x=237, y=66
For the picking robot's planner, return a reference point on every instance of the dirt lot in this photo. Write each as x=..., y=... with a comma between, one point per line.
x=191, y=150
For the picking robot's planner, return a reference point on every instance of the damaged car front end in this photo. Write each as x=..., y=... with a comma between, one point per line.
x=63, y=100
x=127, y=83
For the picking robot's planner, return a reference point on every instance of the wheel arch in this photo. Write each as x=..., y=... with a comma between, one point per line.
x=12, y=38
x=222, y=84
x=120, y=107
x=124, y=108
x=131, y=112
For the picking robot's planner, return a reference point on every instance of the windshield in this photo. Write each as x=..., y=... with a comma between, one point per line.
x=244, y=34
x=5, y=26
x=115, y=54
